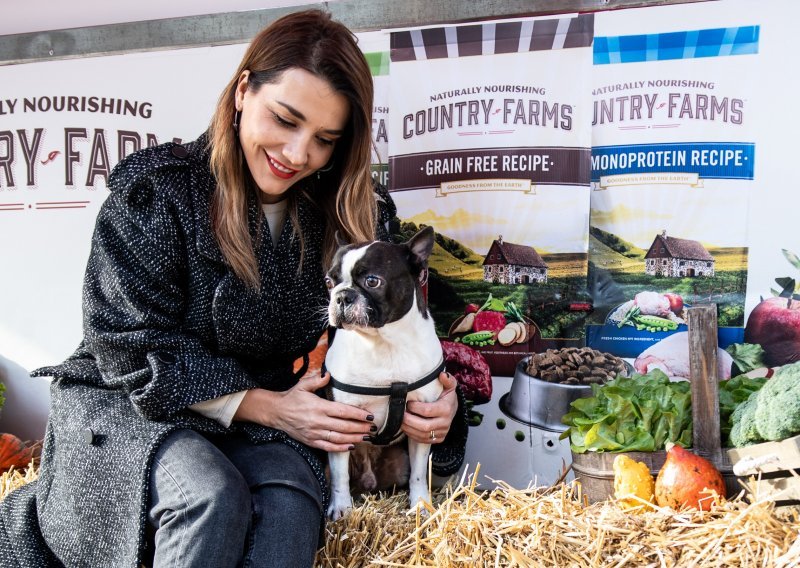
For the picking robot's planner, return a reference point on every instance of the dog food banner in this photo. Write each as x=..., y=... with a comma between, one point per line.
x=673, y=172
x=490, y=144
x=375, y=46
x=63, y=126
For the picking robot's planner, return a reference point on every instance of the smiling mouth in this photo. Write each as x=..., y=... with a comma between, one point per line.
x=279, y=169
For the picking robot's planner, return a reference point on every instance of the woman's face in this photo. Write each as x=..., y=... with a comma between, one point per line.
x=288, y=129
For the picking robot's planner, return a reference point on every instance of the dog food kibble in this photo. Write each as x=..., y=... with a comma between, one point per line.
x=575, y=366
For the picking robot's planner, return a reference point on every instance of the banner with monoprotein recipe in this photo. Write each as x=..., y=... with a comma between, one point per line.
x=490, y=145
x=673, y=170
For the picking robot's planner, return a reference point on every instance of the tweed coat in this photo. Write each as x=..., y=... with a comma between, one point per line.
x=166, y=325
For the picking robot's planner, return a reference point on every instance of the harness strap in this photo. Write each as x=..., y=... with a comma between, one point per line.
x=397, y=393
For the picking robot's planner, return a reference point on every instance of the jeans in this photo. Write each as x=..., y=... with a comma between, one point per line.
x=224, y=502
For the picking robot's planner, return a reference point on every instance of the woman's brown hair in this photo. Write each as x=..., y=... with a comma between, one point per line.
x=312, y=41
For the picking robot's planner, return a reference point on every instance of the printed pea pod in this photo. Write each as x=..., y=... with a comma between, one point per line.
x=478, y=338
x=654, y=323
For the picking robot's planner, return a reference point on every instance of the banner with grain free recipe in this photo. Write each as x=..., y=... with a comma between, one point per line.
x=673, y=167
x=490, y=145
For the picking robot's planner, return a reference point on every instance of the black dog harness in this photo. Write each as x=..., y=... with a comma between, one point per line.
x=397, y=393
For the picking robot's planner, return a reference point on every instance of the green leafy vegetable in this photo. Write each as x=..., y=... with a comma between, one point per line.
x=514, y=312
x=731, y=394
x=493, y=304
x=772, y=413
x=640, y=413
x=747, y=356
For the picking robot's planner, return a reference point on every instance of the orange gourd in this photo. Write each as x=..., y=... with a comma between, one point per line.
x=14, y=452
x=687, y=480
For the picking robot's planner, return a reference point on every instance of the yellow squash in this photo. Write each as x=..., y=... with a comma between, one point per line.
x=632, y=479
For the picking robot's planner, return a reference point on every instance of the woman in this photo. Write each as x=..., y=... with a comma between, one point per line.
x=179, y=434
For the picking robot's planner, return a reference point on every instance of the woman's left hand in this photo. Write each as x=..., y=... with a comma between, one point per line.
x=424, y=420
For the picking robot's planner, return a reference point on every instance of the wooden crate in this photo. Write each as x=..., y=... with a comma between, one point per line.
x=770, y=470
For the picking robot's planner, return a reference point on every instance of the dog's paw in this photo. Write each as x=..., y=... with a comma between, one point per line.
x=339, y=507
x=419, y=500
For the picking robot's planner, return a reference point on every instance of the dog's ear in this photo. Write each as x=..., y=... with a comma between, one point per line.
x=339, y=241
x=421, y=246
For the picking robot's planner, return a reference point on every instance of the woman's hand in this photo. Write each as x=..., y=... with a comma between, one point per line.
x=429, y=422
x=317, y=422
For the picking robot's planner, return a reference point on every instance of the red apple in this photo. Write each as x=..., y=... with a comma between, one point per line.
x=675, y=302
x=775, y=325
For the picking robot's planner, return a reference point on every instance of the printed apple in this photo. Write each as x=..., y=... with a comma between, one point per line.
x=775, y=325
x=675, y=302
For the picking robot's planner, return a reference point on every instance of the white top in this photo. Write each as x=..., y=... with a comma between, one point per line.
x=275, y=214
x=223, y=408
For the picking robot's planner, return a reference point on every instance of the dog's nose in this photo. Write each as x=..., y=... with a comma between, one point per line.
x=345, y=298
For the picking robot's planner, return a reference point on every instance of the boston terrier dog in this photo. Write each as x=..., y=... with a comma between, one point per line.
x=385, y=352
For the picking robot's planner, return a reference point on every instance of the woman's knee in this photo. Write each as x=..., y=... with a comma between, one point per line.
x=190, y=474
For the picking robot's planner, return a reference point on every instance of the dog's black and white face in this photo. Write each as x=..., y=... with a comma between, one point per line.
x=374, y=284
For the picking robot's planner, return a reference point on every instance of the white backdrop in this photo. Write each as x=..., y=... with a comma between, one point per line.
x=44, y=251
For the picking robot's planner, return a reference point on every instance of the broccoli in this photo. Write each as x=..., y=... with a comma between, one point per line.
x=777, y=414
x=744, y=432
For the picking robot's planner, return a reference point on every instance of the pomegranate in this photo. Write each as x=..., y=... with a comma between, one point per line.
x=687, y=480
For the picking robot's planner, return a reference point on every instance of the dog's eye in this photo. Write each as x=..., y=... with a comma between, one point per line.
x=328, y=282
x=372, y=281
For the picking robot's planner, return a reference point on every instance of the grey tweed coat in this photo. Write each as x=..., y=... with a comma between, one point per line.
x=166, y=325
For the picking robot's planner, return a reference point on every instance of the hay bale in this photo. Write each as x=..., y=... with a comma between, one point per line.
x=546, y=527
x=556, y=527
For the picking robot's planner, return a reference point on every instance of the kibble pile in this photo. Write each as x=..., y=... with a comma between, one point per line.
x=575, y=366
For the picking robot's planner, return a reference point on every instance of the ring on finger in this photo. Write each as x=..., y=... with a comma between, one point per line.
x=433, y=435
x=328, y=436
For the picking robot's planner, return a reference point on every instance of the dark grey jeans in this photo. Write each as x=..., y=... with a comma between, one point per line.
x=224, y=502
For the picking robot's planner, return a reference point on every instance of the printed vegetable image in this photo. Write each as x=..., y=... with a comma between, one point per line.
x=493, y=323
x=633, y=483
x=648, y=322
x=687, y=480
x=478, y=338
x=775, y=322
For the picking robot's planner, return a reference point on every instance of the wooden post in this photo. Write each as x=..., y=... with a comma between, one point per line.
x=704, y=377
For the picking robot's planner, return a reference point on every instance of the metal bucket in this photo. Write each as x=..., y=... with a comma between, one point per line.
x=537, y=402
x=595, y=471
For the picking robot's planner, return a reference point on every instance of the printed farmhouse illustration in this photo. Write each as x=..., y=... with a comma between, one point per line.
x=677, y=258
x=508, y=263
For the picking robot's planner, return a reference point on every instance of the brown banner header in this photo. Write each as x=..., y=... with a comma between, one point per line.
x=541, y=166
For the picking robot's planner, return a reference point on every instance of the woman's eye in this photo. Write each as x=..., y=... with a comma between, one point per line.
x=280, y=120
x=372, y=281
x=326, y=141
x=328, y=282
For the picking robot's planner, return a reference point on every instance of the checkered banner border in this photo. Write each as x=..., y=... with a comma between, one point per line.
x=492, y=38
x=717, y=42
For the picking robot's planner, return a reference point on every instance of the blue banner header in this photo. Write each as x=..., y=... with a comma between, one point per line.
x=710, y=160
